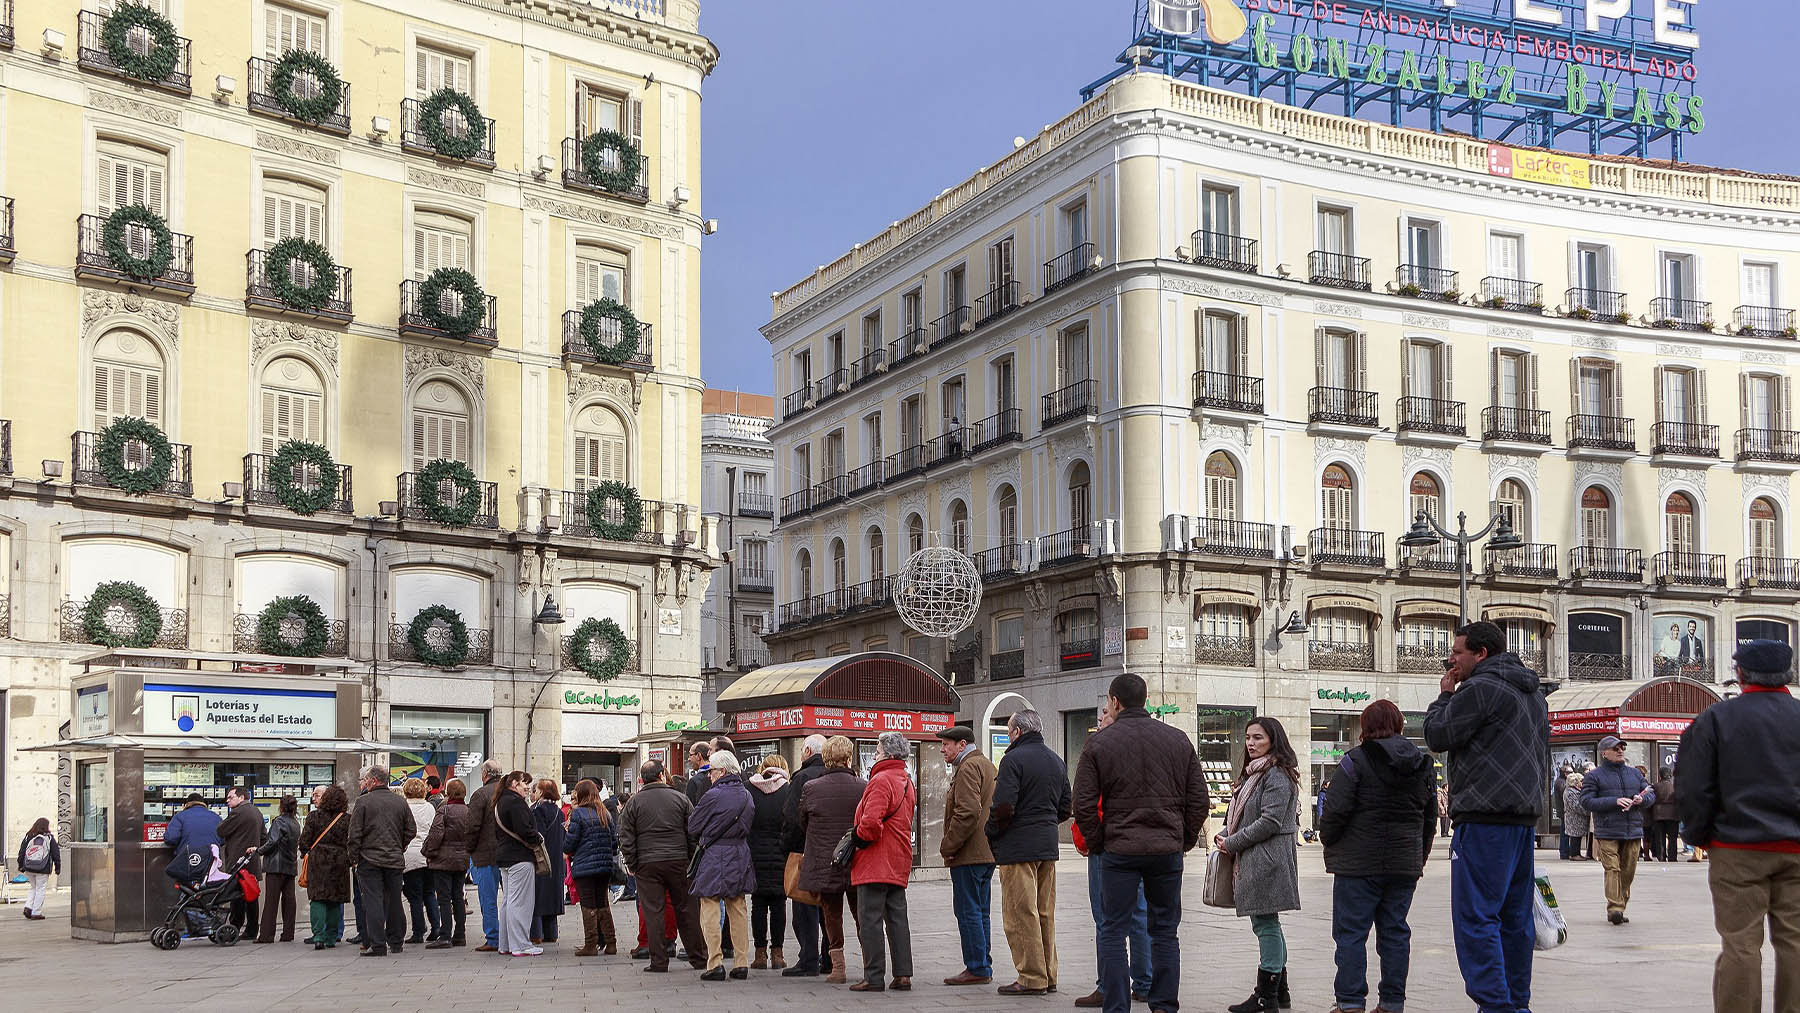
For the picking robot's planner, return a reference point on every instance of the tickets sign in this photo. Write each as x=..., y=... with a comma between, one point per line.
x=846, y=720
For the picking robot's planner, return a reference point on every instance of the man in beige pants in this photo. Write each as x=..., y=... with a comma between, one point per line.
x=1031, y=798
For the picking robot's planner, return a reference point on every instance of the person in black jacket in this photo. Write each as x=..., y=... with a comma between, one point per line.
x=809, y=922
x=1377, y=822
x=281, y=864
x=1031, y=798
x=1617, y=794
x=768, y=905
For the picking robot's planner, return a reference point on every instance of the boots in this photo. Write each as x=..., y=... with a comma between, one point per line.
x=1281, y=991
x=1263, y=1000
x=776, y=960
x=836, y=977
x=603, y=923
x=590, y=926
x=761, y=963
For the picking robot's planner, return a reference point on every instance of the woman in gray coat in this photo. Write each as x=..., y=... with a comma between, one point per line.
x=1259, y=833
x=1576, y=821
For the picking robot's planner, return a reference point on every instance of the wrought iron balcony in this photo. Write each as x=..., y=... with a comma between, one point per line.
x=869, y=366
x=1068, y=268
x=759, y=579
x=259, y=490
x=1233, y=652
x=1772, y=572
x=1007, y=665
x=262, y=98
x=1764, y=321
x=413, y=322
x=869, y=476
x=91, y=260
x=91, y=54
x=797, y=402
x=84, y=453
x=1596, y=304
x=1440, y=558
x=1347, y=547
x=1588, y=667
x=1781, y=446
x=1000, y=562
x=1333, y=656
x=244, y=635
x=1419, y=658
x=1418, y=281
x=1224, y=251
x=1068, y=546
x=1682, y=314
x=1343, y=407
x=1079, y=654
x=172, y=637
x=7, y=247
x=259, y=290
x=412, y=504
x=481, y=644
x=952, y=325
x=756, y=504
x=1695, y=669
x=6, y=25
x=578, y=175
x=577, y=350
x=947, y=448
x=797, y=504
x=908, y=462
x=1001, y=427
x=1512, y=295
x=1538, y=560
x=577, y=524
x=1078, y=400
x=413, y=138
x=1602, y=432
x=833, y=490
x=913, y=343
x=831, y=385
x=1339, y=270
x=1515, y=425
x=998, y=302
x=1692, y=569
x=6, y=461
x=1685, y=439
x=870, y=594
x=1603, y=562
x=1430, y=415
x=798, y=613
x=1243, y=539
x=1228, y=392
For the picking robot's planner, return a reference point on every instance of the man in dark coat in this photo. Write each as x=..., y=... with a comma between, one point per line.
x=239, y=834
x=381, y=826
x=1618, y=796
x=654, y=841
x=809, y=922
x=1031, y=798
x=480, y=841
x=699, y=779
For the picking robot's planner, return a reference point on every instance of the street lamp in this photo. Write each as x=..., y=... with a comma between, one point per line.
x=1427, y=532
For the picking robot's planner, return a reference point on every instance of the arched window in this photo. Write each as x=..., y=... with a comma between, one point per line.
x=877, y=554
x=1081, y=512
x=601, y=451
x=292, y=402
x=441, y=422
x=1765, y=529
x=915, y=534
x=1596, y=517
x=839, y=565
x=128, y=378
x=959, y=527
x=1337, y=492
x=1515, y=506
x=803, y=570
x=1221, y=486
x=1006, y=512
x=1678, y=523
x=1425, y=495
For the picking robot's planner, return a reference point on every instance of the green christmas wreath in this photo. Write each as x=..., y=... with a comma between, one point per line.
x=442, y=139
x=284, y=475
x=158, y=60
x=629, y=331
x=431, y=494
x=600, y=633
x=451, y=654
x=316, y=630
x=593, y=160
x=279, y=269
x=431, y=301
x=146, y=616
x=314, y=108
x=115, y=239
x=630, y=506
x=109, y=453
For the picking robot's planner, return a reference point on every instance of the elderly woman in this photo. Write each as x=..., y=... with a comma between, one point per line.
x=325, y=858
x=768, y=905
x=720, y=829
x=1576, y=820
x=1259, y=833
x=827, y=809
x=415, y=880
x=884, y=823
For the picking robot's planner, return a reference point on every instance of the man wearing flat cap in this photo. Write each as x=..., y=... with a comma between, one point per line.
x=1739, y=802
x=1618, y=796
x=966, y=851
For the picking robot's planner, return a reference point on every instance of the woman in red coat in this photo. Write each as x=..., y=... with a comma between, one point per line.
x=884, y=823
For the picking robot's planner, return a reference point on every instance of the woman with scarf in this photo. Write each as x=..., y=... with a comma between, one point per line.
x=768, y=905
x=1259, y=835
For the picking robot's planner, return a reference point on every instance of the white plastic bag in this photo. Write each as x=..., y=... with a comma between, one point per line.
x=1552, y=931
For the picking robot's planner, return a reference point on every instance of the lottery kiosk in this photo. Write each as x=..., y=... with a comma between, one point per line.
x=152, y=727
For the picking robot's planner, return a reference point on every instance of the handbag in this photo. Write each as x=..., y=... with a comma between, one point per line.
x=790, y=882
x=540, y=855
x=301, y=879
x=849, y=844
x=1221, y=870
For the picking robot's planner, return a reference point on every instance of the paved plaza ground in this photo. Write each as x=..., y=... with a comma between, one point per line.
x=1662, y=961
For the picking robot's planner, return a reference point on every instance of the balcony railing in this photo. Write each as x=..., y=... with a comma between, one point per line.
x=259, y=289
x=1602, y=432
x=414, y=139
x=6, y=461
x=756, y=504
x=1007, y=665
x=245, y=638
x=481, y=643
x=1764, y=321
x=870, y=594
x=1696, y=669
x=1001, y=427
x=869, y=476
x=758, y=579
x=262, y=98
x=1512, y=294
x=796, y=613
x=84, y=451
x=306, y=478
x=947, y=448
x=1078, y=654
x=996, y=303
x=413, y=321
x=1588, y=667
x=952, y=325
x=7, y=247
x=91, y=260
x=91, y=54
x=577, y=175
x=1419, y=658
x=914, y=342
x=1228, y=392
x=1603, y=562
x=1682, y=314
x=1775, y=573
x=1686, y=439
x=1332, y=656
x=172, y=637
x=834, y=489
x=1001, y=561
x=1234, y=652
x=1343, y=407
x=1224, y=251
x=1596, y=304
x=576, y=348
x=1078, y=400
x=1692, y=569
x=908, y=462
x=577, y=524
x=1440, y=558
x=1533, y=559
x=831, y=385
x=1430, y=415
x=796, y=504
x=1781, y=446
x=869, y=366
x=1346, y=546
x=1068, y=268
x=1339, y=270
x=412, y=504
x=1515, y=425
x=797, y=402
x=1421, y=282
x=1076, y=543
x=6, y=24
x=1219, y=536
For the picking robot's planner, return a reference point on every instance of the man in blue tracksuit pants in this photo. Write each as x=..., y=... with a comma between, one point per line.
x=1492, y=720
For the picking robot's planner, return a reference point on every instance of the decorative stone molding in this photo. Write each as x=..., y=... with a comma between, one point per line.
x=421, y=359
x=166, y=317
x=956, y=488
x=297, y=148
x=839, y=527
x=584, y=385
x=1679, y=351
x=1435, y=458
x=913, y=503
x=1510, y=333
x=124, y=106
x=1772, y=358
x=1614, y=473
x=1327, y=449
x=1424, y=320
x=1689, y=480
x=1007, y=471
x=1038, y=597
x=1756, y=483
x=448, y=184
x=1501, y=464
x=1235, y=434
x=600, y=216
x=267, y=335
x=1084, y=301
x=1337, y=309
x=1594, y=341
x=1073, y=444
x=1229, y=293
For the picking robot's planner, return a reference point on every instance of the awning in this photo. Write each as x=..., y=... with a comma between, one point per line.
x=1495, y=613
x=95, y=743
x=1243, y=599
x=867, y=679
x=1342, y=601
x=1427, y=608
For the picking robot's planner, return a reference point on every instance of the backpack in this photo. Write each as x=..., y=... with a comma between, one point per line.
x=37, y=855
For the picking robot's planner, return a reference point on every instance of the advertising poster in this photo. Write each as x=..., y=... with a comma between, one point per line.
x=175, y=709
x=1682, y=645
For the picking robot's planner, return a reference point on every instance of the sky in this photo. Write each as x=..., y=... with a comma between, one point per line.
x=828, y=119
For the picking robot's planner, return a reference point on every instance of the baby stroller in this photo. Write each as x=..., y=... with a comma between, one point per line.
x=205, y=909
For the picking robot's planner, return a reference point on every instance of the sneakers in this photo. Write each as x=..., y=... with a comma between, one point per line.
x=529, y=951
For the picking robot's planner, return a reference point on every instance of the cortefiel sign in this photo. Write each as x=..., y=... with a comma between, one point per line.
x=175, y=709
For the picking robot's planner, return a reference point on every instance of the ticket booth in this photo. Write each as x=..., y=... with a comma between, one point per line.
x=1650, y=716
x=775, y=708
x=152, y=727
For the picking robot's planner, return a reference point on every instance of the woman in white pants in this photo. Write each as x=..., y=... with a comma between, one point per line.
x=39, y=856
x=517, y=862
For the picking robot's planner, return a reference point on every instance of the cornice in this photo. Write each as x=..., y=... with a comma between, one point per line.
x=691, y=48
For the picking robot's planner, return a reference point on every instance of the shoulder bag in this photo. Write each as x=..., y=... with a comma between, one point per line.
x=849, y=844
x=1221, y=869
x=301, y=879
x=693, y=868
x=540, y=855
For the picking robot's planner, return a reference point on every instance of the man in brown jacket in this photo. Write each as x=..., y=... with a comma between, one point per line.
x=967, y=852
x=483, y=849
x=239, y=833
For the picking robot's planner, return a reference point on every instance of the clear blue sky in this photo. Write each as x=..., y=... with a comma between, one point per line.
x=828, y=119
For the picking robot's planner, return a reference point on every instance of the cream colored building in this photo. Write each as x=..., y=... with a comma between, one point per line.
x=215, y=358
x=1186, y=363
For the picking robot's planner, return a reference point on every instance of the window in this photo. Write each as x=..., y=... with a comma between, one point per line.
x=600, y=273
x=1073, y=364
x=441, y=240
x=959, y=527
x=834, y=357
x=599, y=109
x=803, y=467
x=1513, y=384
x=264, y=576
x=1223, y=349
x=1009, y=633
x=415, y=588
x=288, y=28
x=440, y=425
x=953, y=398
x=877, y=554
x=1006, y=514
x=1678, y=523
x=1000, y=265
x=1338, y=498
x=1218, y=212
x=1506, y=255
x=292, y=402
x=803, y=372
x=871, y=334
x=833, y=464
x=1677, y=277
x=1222, y=622
x=1339, y=354
x=1078, y=626
x=1428, y=369
x=1424, y=635
x=1075, y=227
x=1515, y=506
x=1596, y=388
x=127, y=174
x=875, y=644
x=803, y=573
x=956, y=290
x=1759, y=285
x=1221, y=486
x=1425, y=496
x=1596, y=517
x=435, y=68
x=840, y=565
x=1593, y=269
x=912, y=313
x=1348, y=627
x=915, y=534
x=1681, y=395
x=1524, y=637
x=756, y=483
x=1334, y=231
x=128, y=379
x=602, y=453
x=918, y=648
x=1002, y=378
x=872, y=439
x=292, y=209
x=1081, y=513
x=1766, y=403
x=592, y=600
x=753, y=557
x=1423, y=246
x=912, y=421
x=1765, y=530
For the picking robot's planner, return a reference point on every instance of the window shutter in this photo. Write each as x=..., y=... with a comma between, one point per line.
x=1616, y=388
x=636, y=114
x=460, y=430
x=147, y=395
x=587, y=281
x=102, y=400
x=1407, y=380
x=1359, y=350
x=1744, y=395
x=419, y=460
x=420, y=254
x=1530, y=361
x=1575, y=387
x=1240, y=341
x=1494, y=366
x=1787, y=403
x=422, y=60
x=1700, y=396
x=1574, y=264
x=1661, y=409
x=1447, y=379
x=271, y=431
x=1319, y=369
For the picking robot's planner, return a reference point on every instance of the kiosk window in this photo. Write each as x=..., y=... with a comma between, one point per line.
x=94, y=801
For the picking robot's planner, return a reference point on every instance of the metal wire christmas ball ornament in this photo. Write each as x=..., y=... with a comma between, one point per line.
x=938, y=592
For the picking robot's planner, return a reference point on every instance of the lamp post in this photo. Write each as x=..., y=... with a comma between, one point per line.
x=1426, y=532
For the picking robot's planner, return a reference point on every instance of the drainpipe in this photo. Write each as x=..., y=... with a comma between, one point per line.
x=730, y=557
